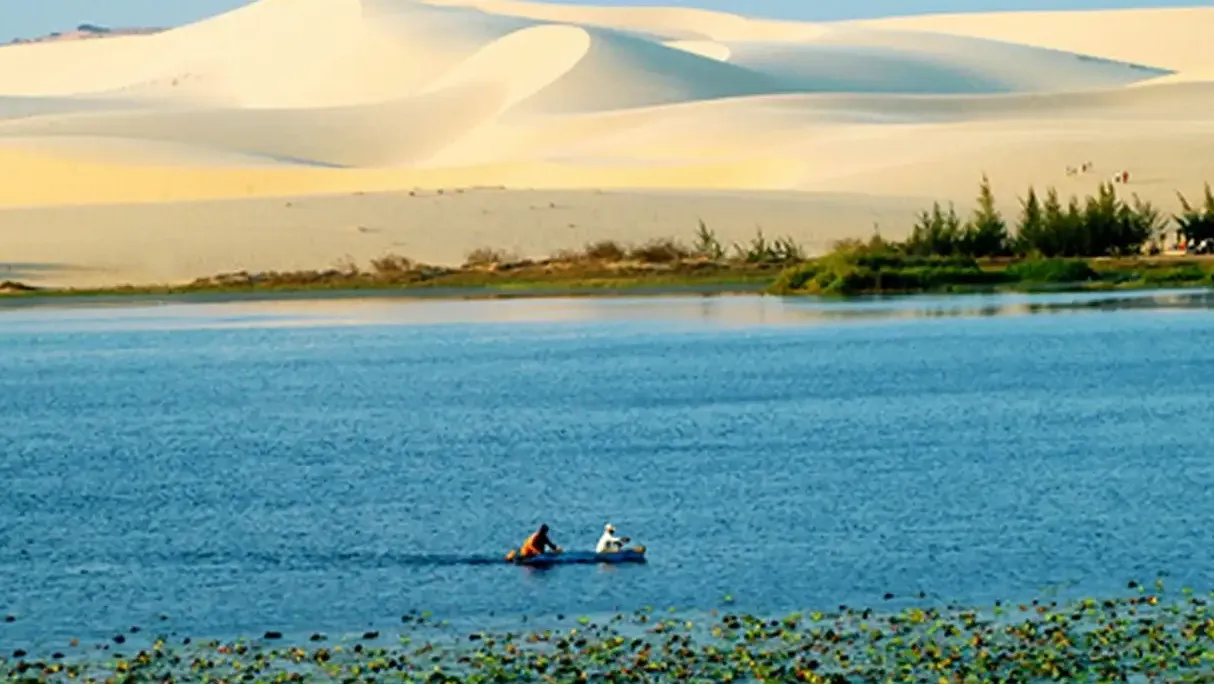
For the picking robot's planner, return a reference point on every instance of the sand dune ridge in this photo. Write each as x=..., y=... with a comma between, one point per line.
x=323, y=98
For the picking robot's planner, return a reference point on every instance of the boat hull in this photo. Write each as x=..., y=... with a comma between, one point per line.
x=633, y=555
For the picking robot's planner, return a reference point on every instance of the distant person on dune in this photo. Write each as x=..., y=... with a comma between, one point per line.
x=609, y=543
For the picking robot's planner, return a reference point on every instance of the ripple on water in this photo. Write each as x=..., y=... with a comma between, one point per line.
x=330, y=476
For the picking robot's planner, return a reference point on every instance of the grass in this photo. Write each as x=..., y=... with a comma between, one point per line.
x=667, y=265
x=1145, y=633
x=881, y=268
x=602, y=266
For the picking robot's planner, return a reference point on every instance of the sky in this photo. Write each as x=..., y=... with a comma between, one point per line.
x=30, y=18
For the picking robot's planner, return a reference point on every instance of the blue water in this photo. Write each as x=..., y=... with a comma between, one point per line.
x=330, y=466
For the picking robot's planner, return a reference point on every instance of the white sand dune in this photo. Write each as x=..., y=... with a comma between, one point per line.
x=319, y=101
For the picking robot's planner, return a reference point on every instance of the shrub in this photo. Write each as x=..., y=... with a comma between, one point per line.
x=348, y=267
x=1184, y=273
x=605, y=250
x=1030, y=230
x=488, y=256
x=985, y=234
x=659, y=251
x=795, y=278
x=1051, y=271
x=763, y=251
x=851, y=272
x=937, y=232
x=1197, y=223
x=1101, y=225
x=1144, y=222
x=707, y=245
x=392, y=264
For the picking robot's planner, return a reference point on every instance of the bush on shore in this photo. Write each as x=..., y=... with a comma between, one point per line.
x=485, y=265
x=1050, y=271
x=1197, y=223
x=1049, y=243
x=861, y=271
x=1100, y=225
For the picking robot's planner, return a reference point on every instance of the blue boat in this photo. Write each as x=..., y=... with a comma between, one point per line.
x=632, y=555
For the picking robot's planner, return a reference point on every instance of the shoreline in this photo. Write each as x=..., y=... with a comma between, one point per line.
x=716, y=281
x=337, y=294
x=1103, y=243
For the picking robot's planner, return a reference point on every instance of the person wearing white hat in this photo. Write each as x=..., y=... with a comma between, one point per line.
x=609, y=543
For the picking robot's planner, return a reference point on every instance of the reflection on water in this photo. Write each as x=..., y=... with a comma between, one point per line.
x=717, y=310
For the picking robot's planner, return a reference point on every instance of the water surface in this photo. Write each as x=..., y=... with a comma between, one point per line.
x=333, y=464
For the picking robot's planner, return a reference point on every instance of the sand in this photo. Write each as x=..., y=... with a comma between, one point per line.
x=293, y=133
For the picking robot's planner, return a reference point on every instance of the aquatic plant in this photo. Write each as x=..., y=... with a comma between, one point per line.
x=1147, y=633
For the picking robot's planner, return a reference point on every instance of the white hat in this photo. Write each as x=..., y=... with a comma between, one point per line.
x=609, y=527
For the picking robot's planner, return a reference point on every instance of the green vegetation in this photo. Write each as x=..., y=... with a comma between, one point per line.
x=1094, y=243
x=1145, y=634
x=602, y=265
x=1101, y=241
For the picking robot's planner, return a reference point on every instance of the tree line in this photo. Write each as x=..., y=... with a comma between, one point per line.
x=1100, y=225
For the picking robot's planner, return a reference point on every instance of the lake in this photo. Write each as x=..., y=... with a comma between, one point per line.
x=331, y=464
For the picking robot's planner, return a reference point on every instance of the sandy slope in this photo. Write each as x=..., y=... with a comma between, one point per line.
x=171, y=155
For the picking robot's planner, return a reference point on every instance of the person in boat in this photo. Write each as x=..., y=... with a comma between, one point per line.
x=537, y=543
x=609, y=543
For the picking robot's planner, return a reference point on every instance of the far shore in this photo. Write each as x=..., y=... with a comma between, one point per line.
x=692, y=279
x=1102, y=243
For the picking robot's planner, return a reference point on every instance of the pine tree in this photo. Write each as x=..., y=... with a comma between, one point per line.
x=1053, y=226
x=1031, y=227
x=936, y=233
x=1197, y=224
x=1073, y=236
x=1141, y=222
x=986, y=231
x=1100, y=232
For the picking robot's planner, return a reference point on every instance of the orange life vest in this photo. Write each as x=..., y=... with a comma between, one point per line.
x=531, y=547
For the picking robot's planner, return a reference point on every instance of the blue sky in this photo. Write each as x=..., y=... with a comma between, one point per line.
x=26, y=18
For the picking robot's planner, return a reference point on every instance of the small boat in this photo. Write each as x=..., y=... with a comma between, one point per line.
x=635, y=554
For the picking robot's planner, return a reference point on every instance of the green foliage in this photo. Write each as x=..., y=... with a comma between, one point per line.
x=860, y=271
x=1031, y=230
x=1197, y=223
x=1050, y=240
x=1051, y=271
x=1176, y=275
x=793, y=279
x=985, y=234
x=937, y=232
x=1099, y=225
x=763, y=251
x=1143, y=220
x=941, y=232
x=707, y=245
